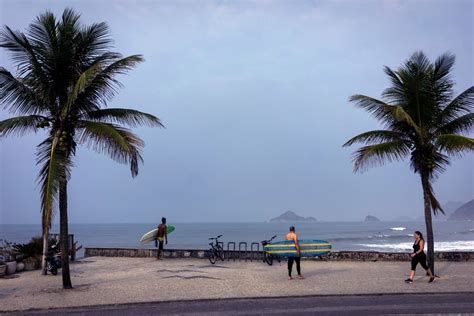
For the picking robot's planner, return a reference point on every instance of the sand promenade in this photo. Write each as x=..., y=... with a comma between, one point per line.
x=100, y=280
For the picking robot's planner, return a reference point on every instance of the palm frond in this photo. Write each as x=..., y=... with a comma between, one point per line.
x=103, y=87
x=55, y=167
x=43, y=33
x=92, y=41
x=441, y=82
x=443, y=66
x=423, y=89
x=23, y=54
x=17, y=97
x=462, y=124
x=64, y=72
x=16, y=43
x=396, y=94
x=418, y=63
x=80, y=85
x=441, y=161
x=435, y=205
x=117, y=142
x=388, y=114
x=67, y=30
x=378, y=154
x=43, y=30
x=132, y=118
x=455, y=145
x=376, y=136
x=431, y=161
x=461, y=105
x=69, y=26
x=20, y=125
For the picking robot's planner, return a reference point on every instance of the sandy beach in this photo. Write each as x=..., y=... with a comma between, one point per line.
x=101, y=280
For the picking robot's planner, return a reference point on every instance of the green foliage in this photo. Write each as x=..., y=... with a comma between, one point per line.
x=65, y=77
x=421, y=118
x=7, y=252
x=34, y=248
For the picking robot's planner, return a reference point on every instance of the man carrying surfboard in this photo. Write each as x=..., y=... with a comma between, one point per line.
x=161, y=237
x=293, y=237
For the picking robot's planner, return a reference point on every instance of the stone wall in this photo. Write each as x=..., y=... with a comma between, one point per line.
x=143, y=252
x=333, y=256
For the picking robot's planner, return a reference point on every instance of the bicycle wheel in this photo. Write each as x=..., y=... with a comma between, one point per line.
x=220, y=253
x=49, y=267
x=212, y=256
x=268, y=258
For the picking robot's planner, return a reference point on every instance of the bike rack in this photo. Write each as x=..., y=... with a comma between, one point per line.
x=229, y=253
x=252, y=252
x=242, y=243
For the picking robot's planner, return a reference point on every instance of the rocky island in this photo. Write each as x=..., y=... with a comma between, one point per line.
x=370, y=218
x=464, y=213
x=290, y=216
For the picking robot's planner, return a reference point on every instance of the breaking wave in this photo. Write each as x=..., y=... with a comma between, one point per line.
x=438, y=246
x=370, y=237
x=398, y=228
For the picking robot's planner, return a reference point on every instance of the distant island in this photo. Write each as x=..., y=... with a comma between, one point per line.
x=370, y=218
x=450, y=207
x=290, y=216
x=464, y=213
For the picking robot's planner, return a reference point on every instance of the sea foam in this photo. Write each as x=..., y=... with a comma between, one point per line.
x=467, y=245
x=398, y=228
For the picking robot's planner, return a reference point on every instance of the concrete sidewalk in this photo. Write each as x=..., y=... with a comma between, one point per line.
x=100, y=280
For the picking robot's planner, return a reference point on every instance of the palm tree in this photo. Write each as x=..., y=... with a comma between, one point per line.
x=422, y=121
x=65, y=77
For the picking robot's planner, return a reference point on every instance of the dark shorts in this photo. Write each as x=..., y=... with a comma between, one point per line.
x=421, y=259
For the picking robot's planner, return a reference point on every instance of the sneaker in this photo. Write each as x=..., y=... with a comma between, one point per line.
x=431, y=279
x=408, y=281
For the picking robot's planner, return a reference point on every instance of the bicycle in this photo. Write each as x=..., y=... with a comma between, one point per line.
x=268, y=258
x=216, y=251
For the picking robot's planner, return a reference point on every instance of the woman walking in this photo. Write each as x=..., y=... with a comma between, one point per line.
x=418, y=256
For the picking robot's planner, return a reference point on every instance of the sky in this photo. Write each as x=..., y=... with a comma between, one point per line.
x=254, y=97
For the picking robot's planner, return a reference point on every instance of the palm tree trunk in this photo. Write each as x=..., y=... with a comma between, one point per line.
x=45, y=250
x=428, y=221
x=64, y=235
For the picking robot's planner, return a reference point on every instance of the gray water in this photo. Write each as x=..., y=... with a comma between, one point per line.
x=377, y=236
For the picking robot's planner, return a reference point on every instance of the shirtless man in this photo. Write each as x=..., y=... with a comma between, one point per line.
x=161, y=237
x=292, y=236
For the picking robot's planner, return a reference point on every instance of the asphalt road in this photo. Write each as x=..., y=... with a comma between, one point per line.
x=453, y=303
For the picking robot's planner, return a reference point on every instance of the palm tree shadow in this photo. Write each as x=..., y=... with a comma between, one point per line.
x=439, y=271
x=179, y=271
x=214, y=266
x=191, y=277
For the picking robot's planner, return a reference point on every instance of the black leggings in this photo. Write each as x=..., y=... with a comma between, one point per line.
x=290, y=265
x=159, y=244
x=421, y=259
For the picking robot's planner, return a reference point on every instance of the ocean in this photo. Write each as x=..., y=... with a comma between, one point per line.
x=374, y=236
